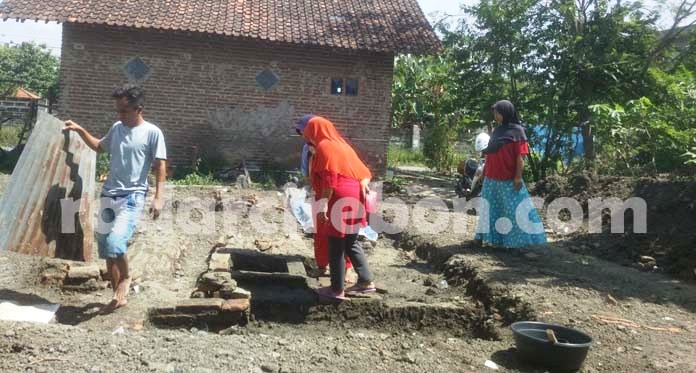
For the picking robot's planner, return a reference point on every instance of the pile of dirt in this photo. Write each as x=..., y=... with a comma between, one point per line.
x=670, y=240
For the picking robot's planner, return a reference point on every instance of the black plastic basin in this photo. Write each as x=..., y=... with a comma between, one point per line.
x=534, y=347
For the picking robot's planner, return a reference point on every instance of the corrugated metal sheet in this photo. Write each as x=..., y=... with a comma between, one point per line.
x=55, y=166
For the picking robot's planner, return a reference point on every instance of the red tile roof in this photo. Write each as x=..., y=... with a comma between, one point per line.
x=23, y=93
x=375, y=25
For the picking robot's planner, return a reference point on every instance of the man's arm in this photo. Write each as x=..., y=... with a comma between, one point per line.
x=161, y=178
x=87, y=137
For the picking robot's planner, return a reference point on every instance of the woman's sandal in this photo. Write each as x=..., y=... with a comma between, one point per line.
x=328, y=293
x=360, y=290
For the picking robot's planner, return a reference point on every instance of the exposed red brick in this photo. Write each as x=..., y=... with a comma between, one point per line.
x=195, y=305
x=235, y=305
x=194, y=77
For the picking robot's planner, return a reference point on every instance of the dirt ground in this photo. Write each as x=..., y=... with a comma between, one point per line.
x=458, y=302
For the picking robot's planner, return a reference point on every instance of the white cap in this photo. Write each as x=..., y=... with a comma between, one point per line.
x=482, y=141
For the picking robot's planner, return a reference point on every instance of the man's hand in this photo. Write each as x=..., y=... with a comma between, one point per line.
x=323, y=217
x=365, y=186
x=518, y=184
x=91, y=141
x=71, y=126
x=161, y=177
x=156, y=208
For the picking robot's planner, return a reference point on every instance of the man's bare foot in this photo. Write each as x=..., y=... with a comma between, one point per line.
x=113, y=306
x=122, y=290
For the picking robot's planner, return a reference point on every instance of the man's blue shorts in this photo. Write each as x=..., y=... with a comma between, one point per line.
x=118, y=218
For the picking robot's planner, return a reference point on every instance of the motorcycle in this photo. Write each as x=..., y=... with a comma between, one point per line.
x=469, y=184
x=471, y=171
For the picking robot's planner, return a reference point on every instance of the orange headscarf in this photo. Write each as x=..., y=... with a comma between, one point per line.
x=333, y=153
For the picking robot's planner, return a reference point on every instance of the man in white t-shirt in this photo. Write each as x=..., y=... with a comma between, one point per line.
x=134, y=146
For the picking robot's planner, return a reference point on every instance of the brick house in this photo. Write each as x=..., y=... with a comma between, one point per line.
x=229, y=77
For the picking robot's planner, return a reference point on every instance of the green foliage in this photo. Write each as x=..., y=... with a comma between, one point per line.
x=29, y=65
x=197, y=179
x=9, y=136
x=211, y=164
x=266, y=182
x=690, y=156
x=402, y=156
x=438, y=147
x=426, y=94
x=397, y=182
x=653, y=133
x=201, y=173
x=103, y=165
x=595, y=67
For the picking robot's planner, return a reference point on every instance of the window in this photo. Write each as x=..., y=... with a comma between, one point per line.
x=137, y=70
x=336, y=86
x=340, y=86
x=267, y=79
x=351, y=87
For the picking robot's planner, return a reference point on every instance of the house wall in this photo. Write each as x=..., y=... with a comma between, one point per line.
x=202, y=91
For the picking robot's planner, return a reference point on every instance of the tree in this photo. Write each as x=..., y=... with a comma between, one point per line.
x=565, y=64
x=30, y=66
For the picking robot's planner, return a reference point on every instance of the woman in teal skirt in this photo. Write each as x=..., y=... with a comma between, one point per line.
x=508, y=217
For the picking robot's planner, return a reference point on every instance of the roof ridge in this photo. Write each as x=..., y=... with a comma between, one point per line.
x=393, y=26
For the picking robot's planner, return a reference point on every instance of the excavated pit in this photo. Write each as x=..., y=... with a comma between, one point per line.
x=282, y=292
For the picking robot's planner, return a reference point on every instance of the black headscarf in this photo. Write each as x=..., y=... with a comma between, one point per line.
x=510, y=131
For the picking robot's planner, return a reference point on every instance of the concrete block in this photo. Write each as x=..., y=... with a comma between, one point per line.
x=83, y=273
x=219, y=262
x=297, y=268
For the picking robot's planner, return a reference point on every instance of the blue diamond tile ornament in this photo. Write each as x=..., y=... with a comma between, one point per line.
x=267, y=79
x=137, y=70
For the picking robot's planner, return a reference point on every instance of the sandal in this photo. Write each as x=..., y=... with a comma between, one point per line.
x=361, y=290
x=328, y=293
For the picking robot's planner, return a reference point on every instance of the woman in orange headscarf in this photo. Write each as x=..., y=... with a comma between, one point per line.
x=321, y=239
x=341, y=180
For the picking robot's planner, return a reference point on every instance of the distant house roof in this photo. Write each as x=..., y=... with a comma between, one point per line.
x=397, y=26
x=23, y=93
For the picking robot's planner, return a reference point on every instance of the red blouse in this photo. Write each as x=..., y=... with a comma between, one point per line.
x=344, y=187
x=502, y=165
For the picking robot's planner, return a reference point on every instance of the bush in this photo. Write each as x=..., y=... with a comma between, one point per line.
x=403, y=156
x=211, y=164
x=640, y=138
x=103, y=164
x=197, y=179
x=438, y=148
x=9, y=136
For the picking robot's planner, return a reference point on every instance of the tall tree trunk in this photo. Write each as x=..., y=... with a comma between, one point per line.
x=587, y=139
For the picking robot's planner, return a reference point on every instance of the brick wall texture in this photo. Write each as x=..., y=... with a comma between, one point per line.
x=202, y=92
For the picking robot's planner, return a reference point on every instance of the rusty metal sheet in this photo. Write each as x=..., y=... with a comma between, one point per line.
x=55, y=169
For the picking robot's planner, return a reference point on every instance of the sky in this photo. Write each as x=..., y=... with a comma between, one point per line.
x=50, y=34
